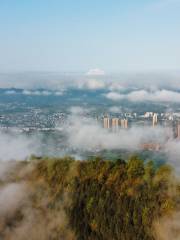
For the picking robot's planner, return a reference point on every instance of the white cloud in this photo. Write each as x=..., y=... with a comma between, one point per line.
x=14, y=146
x=12, y=197
x=114, y=96
x=167, y=96
x=95, y=72
x=37, y=93
x=172, y=149
x=53, y=82
x=42, y=93
x=143, y=95
x=91, y=84
x=86, y=134
x=94, y=84
x=77, y=110
x=140, y=95
x=116, y=86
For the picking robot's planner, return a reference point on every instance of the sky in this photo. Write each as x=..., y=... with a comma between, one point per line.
x=75, y=36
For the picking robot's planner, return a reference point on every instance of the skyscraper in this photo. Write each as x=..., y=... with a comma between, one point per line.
x=178, y=131
x=115, y=124
x=154, y=119
x=124, y=123
x=106, y=122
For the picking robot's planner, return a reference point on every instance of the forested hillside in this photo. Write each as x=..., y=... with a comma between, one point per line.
x=93, y=199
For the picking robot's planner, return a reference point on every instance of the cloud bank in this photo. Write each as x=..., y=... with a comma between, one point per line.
x=24, y=210
x=143, y=95
x=94, y=78
x=35, y=92
x=88, y=135
x=95, y=72
x=42, y=93
x=81, y=134
x=15, y=146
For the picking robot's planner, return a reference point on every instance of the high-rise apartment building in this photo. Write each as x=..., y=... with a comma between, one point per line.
x=155, y=119
x=106, y=122
x=124, y=123
x=178, y=131
x=115, y=124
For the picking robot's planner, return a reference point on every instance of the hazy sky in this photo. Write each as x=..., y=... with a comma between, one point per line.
x=77, y=35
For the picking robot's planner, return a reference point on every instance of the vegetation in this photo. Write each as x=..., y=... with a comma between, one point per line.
x=108, y=199
x=96, y=199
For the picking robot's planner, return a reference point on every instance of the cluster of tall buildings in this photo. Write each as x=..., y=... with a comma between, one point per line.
x=175, y=128
x=170, y=125
x=115, y=123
